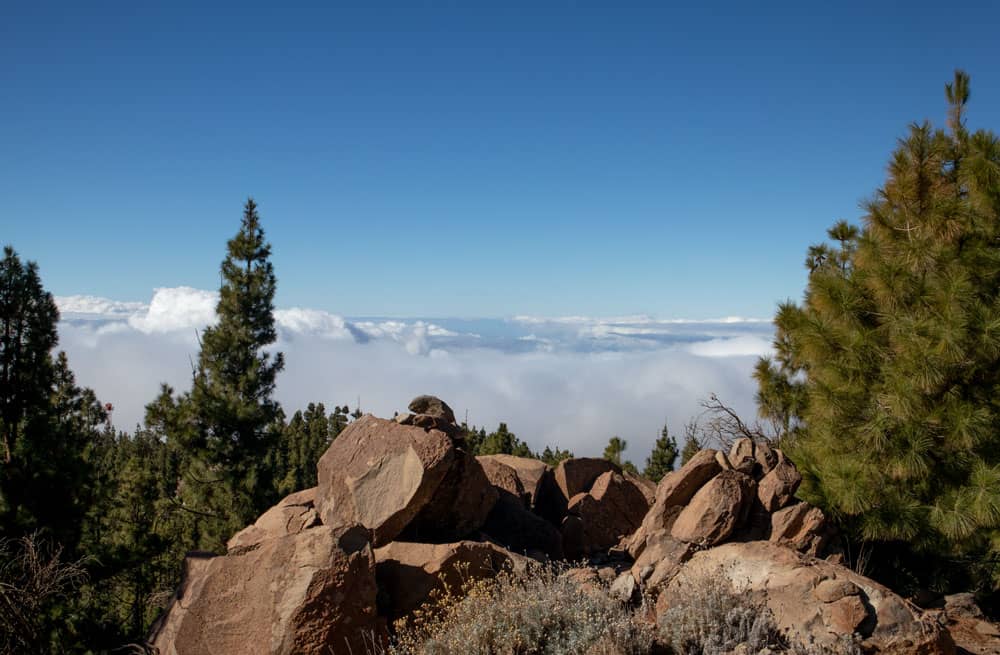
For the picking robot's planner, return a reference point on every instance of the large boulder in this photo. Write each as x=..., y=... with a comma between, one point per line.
x=777, y=489
x=716, y=510
x=459, y=506
x=381, y=474
x=612, y=509
x=813, y=600
x=533, y=473
x=503, y=477
x=407, y=573
x=293, y=514
x=311, y=593
x=802, y=527
x=661, y=559
x=432, y=406
x=577, y=475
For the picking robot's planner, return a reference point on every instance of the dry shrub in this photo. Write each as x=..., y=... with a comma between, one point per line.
x=709, y=618
x=536, y=612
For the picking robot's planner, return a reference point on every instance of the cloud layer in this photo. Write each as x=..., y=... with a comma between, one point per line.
x=571, y=381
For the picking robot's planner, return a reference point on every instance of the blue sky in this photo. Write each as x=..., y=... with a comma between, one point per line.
x=451, y=160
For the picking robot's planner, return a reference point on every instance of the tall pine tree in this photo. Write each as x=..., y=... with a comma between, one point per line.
x=229, y=423
x=661, y=460
x=886, y=376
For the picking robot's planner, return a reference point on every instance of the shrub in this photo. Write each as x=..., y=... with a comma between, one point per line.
x=539, y=612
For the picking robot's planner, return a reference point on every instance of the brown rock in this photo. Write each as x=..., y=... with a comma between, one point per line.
x=785, y=580
x=661, y=559
x=380, y=474
x=766, y=457
x=674, y=491
x=613, y=509
x=531, y=472
x=432, y=406
x=518, y=529
x=310, y=593
x=832, y=590
x=293, y=514
x=572, y=537
x=802, y=527
x=644, y=485
x=407, y=573
x=778, y=487
x=577, y=475
x=723, y=461
x=459, y=505
x=741, y=449
x=716, y=510
x=503, y=477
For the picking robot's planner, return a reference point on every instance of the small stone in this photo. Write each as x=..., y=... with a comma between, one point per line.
x=832, y=590
x=432, y=406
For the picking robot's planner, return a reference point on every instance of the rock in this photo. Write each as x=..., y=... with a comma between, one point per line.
x=675, y=490
x=624, y=588
x=404, y=419
x=785, y=581
x=802, y=527
x=614, y=508
x=531, y=472
x=723, y=461
x=516, y=528
x=716, y=510
x=407, y=573
x=741, y=449
x=572, y=537
x=311, y=593
x=432, y=406
x=777, y=489
x=963, y=604
x=380, y=474
x=663, y=557
x=577, y=475
x=646, y=486
x=831, y=590
x=293, y=514
x=503, y=477
x=459, y=505
x=765, y=456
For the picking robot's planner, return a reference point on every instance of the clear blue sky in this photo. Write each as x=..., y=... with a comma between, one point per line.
x=451, y=160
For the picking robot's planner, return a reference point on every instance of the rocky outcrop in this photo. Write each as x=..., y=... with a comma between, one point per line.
x=295, y=513
x=381, y=474
x=612, y=509
x=408, y=573
x=532, y=473
x=575, y=476
x=520, y=530
x=504, y=477
x=311, y=593
x=716, y=510
x=813, y=600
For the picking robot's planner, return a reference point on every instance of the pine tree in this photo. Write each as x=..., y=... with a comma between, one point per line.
x=613, y=453
x=553, y=457
x=505, y=442
x=228, y=424
x=661, y=460
x=691, y=447
x=885, y=377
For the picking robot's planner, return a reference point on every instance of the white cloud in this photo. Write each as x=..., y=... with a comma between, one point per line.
x=567, y=382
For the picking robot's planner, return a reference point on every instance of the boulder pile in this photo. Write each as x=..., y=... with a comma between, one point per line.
x=402, y=509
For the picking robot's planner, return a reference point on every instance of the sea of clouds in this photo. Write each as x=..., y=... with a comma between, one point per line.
x=567, y=381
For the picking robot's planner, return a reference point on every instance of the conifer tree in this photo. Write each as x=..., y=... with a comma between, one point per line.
x=613, y=453
x=661, y=460
x=885, y=377
x=503, y=441
x=691, y=448
x=229, y=422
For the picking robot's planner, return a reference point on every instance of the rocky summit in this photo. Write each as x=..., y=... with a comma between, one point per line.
x=401, y=509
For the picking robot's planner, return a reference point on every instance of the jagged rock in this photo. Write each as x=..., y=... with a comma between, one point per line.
x=661, y=558
x=785, y=581
x=613, y=509
x=459, y=505
x=766, y=457
x=577, y=475
x=572, y=537
x=518, y=529
x=674, y=491
x=624, y=588
x=503, y=477
x=531, y=472
x=310, y=593
x=407, y=573
x=646, y=486
x=432, y=406
x=716, y=510
x=802, y=527
x=293, y=514
x=778, y=487
x=381, y=474
x=723, y=461
x=963, y=604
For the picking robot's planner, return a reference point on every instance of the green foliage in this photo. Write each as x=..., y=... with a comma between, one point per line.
x=613, y=453
x=503, y=442
x=228, y=425
x=661, y=460
x=885, y=377
x=553, y=457
x=691, y=448
x=304, y=439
